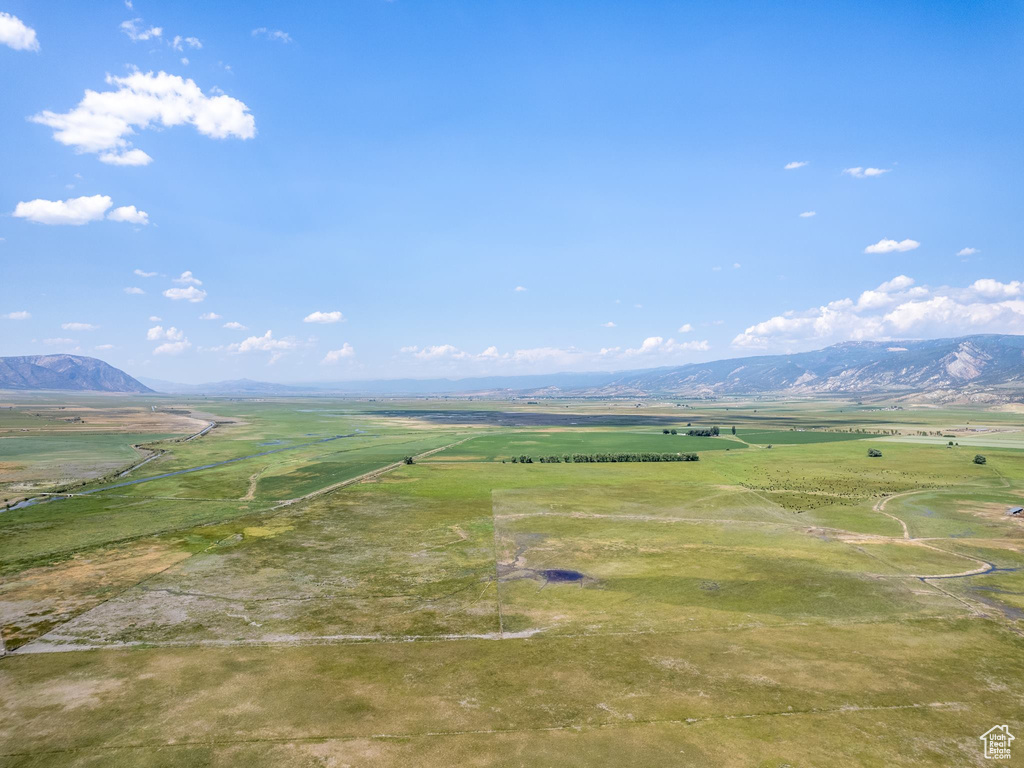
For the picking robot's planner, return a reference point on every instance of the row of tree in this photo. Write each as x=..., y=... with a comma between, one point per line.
x=604, y=458
x=698, y=432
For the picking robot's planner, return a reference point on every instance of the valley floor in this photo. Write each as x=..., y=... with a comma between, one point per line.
x=784, y=601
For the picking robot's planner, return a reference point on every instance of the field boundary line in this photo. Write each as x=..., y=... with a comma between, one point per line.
x=366, y=475
x=826, y=711
x=529, y=634
x=272, y=513
x=497, y=569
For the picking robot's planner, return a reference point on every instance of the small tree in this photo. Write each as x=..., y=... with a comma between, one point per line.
x=734, y=430
x=409, y=460
x=664, y=432
x=979, y=459
x=874, y=453
x=674, y=432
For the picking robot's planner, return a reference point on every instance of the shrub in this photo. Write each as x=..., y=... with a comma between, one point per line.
x=874, y=452
x=408, y=460
x=979, y=459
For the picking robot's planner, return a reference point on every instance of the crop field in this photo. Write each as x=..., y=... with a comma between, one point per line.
x=496, y=447
x=298, y=595
x=795, y=437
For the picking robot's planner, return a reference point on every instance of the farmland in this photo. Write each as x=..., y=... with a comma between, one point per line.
x=294, y=604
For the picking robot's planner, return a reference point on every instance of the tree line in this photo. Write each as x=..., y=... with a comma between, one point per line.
x=604, y=458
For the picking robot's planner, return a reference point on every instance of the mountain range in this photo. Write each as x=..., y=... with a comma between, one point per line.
x=65, y=372
x=987, y=368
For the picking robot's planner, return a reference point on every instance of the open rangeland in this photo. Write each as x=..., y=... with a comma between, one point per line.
x=266, y=595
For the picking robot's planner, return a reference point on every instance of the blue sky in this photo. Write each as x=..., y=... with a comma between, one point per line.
x=507, y=187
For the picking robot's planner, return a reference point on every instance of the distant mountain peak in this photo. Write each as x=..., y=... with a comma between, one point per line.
x=70, y=372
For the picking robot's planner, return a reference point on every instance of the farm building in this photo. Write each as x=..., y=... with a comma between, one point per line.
x=1015, y=511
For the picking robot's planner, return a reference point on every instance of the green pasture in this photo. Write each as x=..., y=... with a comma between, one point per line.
x=758, y=607
x=495, y=447
x=795, y=437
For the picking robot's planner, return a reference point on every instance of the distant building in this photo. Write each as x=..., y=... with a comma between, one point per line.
x=1015, y=511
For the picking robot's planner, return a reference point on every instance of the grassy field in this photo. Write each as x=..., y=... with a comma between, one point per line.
x=799, y=605
x=557, y=443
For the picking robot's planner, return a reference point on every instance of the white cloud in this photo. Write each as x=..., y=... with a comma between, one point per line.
x=235, y=326
x=17, y=315
x=967, y=252
x=134, y=291
x=179, y=42
x=685, y=328
x=74, y=212
x=128, y=157
x=187, y=278
x=138, y=32
x=129, y=214
x=172, y=347
x=865, y=173
x=324, y=317
x=191, y=293
x=609, y=324
x=794, y=165
x=102, y=120
x=657, y=345
x=449, y=358
x=997, y=290
x=519, y=289
x=59, y=342
x=103, y=347
x=140, y=273
x=77, y=211
x=337, y=355
x=174, y=340
x=159, y=333
x=78, y=326
x=154, y=319
x=264, y=343
x=439, y=350
x=16, y=34
x=210, y=315
x=888, y=246
x=272, y=34
x=736, y=265
x=896, y=309
x=808, y=214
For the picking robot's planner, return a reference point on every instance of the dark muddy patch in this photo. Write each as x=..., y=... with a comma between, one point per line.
x=1011, y=612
